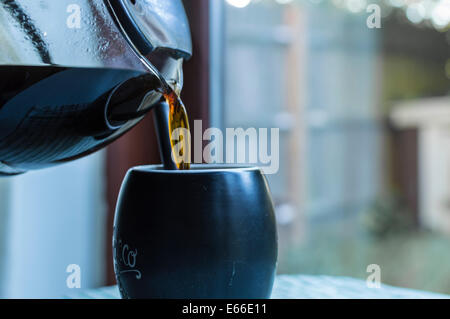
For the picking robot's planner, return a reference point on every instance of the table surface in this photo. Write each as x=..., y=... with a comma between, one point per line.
x=303, y=287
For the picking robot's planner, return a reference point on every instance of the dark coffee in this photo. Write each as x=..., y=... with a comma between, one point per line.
x=52, y=114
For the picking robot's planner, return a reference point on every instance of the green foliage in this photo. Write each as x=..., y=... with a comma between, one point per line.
x=408, y=78
x=387, y=216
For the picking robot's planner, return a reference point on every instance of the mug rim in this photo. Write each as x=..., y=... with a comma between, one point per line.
x=196, y=169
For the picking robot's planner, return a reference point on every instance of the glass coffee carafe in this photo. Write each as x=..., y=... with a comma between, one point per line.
x=75, y=75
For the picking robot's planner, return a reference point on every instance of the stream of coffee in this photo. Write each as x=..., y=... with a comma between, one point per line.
x=178, y=119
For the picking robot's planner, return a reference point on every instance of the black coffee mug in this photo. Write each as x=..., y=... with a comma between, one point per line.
x=207, y=232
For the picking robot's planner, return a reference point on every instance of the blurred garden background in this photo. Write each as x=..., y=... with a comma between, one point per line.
x=364, y=116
